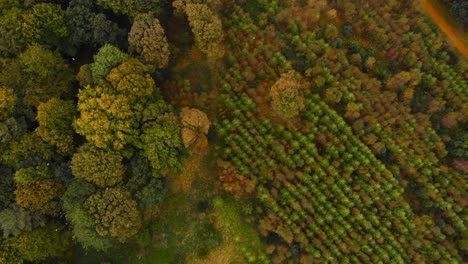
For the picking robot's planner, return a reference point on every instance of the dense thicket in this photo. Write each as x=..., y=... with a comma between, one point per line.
x=459, y=9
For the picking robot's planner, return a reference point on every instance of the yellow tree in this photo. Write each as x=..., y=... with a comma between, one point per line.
x=110, y=112
x=207, y=28
x=101, y=167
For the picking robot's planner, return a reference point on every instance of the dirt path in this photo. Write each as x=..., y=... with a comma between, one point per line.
x=457, y=35
x=192, y=167
x=228, y=251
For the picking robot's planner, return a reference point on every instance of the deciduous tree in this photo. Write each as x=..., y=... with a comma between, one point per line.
x=83, y=223
x=41, y=244
x=7, y=187
x=101, y=167
x=7, y=102
x=286, y=96
x=13, y=220
x=8, y=253
x=147, y=38
x=89, y=28
x=106, y=31
x=11, y=37
x=116, y=213
x=207, y=28
x=132, y=7
x=110, y=113
x=37, y=191
x=45, y=75
x=195, y=123
x=147, y=190
x=107, y=58
x=163, y=147
x=55, y=119
x=45, y=24
x=25, y=151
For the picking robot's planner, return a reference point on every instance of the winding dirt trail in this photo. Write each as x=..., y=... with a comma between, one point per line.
x=456, y=34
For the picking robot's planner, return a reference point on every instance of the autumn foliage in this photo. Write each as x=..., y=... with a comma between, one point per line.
x=195, y=123
x=115, y=212
x=110, y=112
x=147, y=38
x=207, y=28
x=286, y=96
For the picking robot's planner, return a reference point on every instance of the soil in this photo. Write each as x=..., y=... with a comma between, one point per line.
x=447, y=24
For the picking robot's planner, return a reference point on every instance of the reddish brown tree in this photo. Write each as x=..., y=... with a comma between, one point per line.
x=147, y=38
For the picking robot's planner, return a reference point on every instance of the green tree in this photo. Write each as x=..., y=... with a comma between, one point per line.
x=42, y=244
x=83, y=223
x=101, y=167
x=25, y=151
x=105, y=31
x=26, y=176
x=13, y=220
x=55, y=119
x=163, y=147
x=110, y=113
x=45, y=24
x=10, y=130
x=180, y=5
x=147, y=190
x=8, y=253
x=44, y=75
x=147, y=38
x=85, y=76
x=116, y=213
x=11, y=37
x=11, y=76
x=37, y=191
x=7, y=187
x=155, y=110
x=207, y=29
x=458, y=145
x=107, y=58
x=89, y=28
x=132, y=7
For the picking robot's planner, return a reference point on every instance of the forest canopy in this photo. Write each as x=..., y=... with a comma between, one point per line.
x=244, y=131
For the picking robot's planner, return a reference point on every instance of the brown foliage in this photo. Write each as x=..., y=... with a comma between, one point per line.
x=461, y=165
x=450, y=119
x=233, y=181
x=194, y=124
x=286, y=96
x=148, y=39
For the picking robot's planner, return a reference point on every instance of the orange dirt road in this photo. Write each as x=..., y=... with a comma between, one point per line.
x=459, y=38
